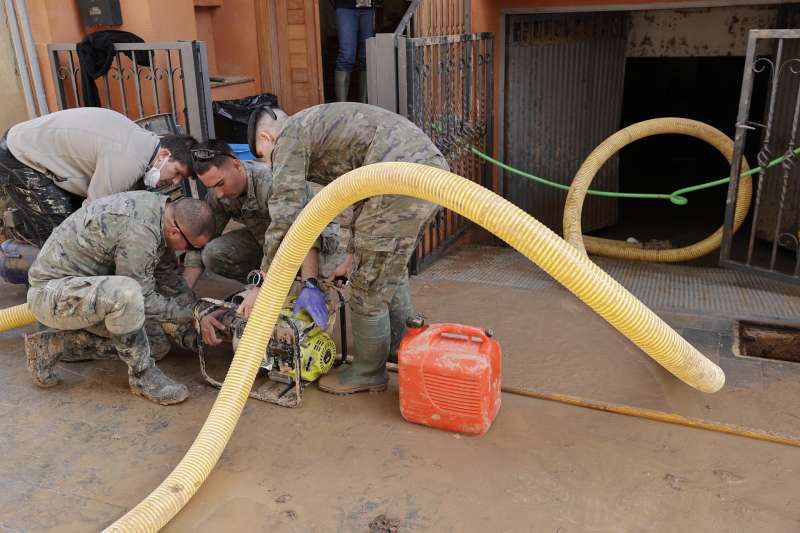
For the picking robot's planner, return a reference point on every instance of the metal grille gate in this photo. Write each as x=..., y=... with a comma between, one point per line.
x=563, y=87
x=144, y=79
x=772, y=244
x=445, y=87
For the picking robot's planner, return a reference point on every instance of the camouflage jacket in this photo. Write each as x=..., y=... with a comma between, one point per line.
x=321, y=143
x=252, y=211
x=120, y=235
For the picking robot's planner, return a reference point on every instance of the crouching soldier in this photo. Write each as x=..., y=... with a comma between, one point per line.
x=240, y=191
x=107, y=279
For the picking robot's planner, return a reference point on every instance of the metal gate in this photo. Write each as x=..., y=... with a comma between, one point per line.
x=769, y=242
x=144, y=79
x=564, y=75
x=445, y=87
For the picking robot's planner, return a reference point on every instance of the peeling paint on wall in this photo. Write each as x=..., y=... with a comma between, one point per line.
x=696, y=32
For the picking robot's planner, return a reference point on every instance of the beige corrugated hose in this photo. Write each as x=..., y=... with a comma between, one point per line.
x=609, y=147
x=562, y=261
x=16, y=317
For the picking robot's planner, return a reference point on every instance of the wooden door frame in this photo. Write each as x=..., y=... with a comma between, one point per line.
x=276, y=72
x=267, y=41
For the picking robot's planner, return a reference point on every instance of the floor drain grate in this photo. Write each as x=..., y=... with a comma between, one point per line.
x=768, y=341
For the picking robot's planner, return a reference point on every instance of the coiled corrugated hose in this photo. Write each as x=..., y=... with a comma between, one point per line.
x=609, y=147
x=554, y=255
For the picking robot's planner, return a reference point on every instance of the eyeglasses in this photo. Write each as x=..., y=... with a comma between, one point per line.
x=207, y=154
x=189, y=246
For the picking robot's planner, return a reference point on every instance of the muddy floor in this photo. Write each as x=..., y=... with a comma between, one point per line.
x=79, y=455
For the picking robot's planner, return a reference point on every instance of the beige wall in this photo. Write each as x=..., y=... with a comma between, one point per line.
x=696, y=32
x=12, y=108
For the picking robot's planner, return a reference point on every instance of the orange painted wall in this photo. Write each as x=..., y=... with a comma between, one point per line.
x=58, y=21
x=228, y=29
x=235, y=40
x=204, y=21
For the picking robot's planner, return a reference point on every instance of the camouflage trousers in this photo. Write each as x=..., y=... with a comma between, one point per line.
x=105, y=306
x=41, y=202
x=386, y=231
x=234, y=254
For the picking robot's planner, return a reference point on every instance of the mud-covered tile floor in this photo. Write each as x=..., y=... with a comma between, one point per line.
x=76, y=457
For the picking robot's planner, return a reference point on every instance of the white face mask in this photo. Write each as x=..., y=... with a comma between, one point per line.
x=153, y=175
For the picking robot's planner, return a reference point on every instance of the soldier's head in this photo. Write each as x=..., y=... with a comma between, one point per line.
x=263, y=129
x=172, y=162
x=219, y=169
x=188, y=224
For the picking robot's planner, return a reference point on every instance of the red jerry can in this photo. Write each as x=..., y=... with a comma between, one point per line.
x=450, y=377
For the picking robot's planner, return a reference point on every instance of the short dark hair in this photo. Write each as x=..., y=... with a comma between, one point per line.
x=194, y=217
x=180, y=148
x=225, y=154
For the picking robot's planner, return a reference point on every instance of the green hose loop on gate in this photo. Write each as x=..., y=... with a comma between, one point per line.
x=757, y=170
x=676, y=197
x=678, y=200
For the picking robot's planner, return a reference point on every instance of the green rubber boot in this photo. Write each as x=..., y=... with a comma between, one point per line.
x=362, y=87
x=341, y=82
x=367, y=372
x=400, y=310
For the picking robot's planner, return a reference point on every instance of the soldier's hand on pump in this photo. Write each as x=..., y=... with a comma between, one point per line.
x=248, y=303
x=209, y=325
x=312, y=300
x=342, y=270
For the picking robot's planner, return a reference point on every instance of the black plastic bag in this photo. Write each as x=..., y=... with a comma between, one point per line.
x=231, y=116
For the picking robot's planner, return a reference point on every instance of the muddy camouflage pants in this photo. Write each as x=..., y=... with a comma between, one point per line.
x=40, y=203
x=105, y=306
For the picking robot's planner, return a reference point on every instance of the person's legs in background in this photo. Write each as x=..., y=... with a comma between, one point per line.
x=366, y=29
x=347, y=32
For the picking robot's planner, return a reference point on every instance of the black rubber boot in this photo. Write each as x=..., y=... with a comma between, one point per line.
x=43, y=350
x=144, y=377
x=367, y=372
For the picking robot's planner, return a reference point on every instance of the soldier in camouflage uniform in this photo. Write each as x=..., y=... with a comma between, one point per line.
x=320, y=144
x=240, y=191
x=107, y=279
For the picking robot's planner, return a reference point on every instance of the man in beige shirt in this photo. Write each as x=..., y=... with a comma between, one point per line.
x=50, y=165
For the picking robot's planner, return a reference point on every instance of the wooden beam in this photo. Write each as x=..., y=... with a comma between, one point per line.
x=267, y=41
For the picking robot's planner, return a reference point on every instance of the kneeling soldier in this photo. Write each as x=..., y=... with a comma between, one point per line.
x=106, y=279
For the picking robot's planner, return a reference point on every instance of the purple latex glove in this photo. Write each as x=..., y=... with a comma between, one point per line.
x=312, y=300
